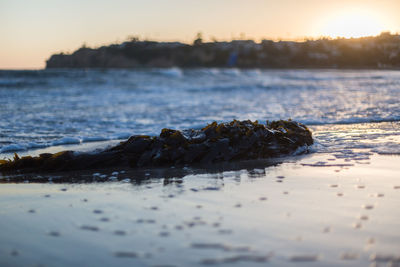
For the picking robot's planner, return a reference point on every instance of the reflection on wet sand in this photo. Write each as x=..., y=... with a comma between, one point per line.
x=209, y=218
x=137, y=176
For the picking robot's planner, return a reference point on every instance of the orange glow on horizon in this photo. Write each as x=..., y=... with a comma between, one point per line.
x=352, y=24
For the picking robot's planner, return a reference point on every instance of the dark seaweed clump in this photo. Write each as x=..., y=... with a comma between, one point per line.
x=236, y=140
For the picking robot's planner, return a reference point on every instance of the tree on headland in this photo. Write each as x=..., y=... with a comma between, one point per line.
x=133, y=38
x=84, y=45
x=199, y=39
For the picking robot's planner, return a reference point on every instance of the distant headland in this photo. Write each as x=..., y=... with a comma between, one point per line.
x=378, y=52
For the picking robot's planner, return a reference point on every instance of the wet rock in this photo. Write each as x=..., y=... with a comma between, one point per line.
x=236, y=140
x=194, y=152
x=136, y=144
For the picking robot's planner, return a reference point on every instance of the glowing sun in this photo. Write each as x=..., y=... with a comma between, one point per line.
x=352, y=24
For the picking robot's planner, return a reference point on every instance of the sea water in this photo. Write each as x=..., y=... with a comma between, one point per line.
x=46, y=108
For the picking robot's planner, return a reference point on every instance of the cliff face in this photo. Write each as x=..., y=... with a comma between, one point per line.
x=382, y=51
x=91, y=58
x=141, y=54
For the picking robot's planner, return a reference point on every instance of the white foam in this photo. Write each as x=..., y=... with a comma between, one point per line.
x=389, y=148
x=66, y=141
x=23, y=146
x=12, y=147
x=232, y=72
x=173, y=72
x=253, y=72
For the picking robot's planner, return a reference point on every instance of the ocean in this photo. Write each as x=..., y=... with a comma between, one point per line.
x=46, y=108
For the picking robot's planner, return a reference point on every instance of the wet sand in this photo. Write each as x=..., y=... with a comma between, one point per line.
x=313, y=210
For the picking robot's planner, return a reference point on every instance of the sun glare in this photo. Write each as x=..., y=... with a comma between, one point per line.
x=352, y=24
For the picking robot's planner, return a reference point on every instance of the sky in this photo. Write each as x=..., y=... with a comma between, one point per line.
x=31, y=31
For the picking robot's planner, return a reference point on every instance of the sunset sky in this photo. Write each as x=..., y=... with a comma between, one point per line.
x=33, y=30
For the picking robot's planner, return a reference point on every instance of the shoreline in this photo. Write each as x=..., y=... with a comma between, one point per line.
x=87, y=146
